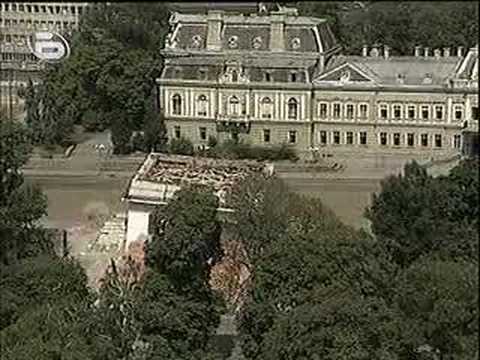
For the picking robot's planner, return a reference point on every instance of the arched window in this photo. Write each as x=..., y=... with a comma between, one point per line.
x=292, y=108
x=202, y=105
x=176, y=104
x=234, y=106
x=266, y=108
x=234, y=76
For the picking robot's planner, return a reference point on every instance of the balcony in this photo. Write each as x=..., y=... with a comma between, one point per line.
x=228, y=123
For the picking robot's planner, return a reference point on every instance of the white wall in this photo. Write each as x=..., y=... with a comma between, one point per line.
x=137, y=222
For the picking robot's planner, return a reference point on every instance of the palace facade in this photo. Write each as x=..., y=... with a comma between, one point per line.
x=273, y=77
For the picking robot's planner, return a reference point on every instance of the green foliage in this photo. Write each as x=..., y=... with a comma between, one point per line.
x=111, y=71
x=232, y=149
x=155, y=132
x=121, y=134
x=36, y=281
x=415, y=214
x=398, y=24
x=323, y=290
x=21, y=205
x=186, y=240
x=181, y=146
x=439, y=302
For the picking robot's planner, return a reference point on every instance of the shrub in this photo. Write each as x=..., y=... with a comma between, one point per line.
x=138, y=142
x=233, y=150
x=181, y=146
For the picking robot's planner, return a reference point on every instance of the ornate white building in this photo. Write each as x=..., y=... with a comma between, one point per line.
x=274, y=77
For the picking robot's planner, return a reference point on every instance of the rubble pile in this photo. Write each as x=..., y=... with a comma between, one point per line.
x=220, y=174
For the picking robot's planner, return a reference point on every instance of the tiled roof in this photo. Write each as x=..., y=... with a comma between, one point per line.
x=186, y=33
x=247, y=28
x=413, y=69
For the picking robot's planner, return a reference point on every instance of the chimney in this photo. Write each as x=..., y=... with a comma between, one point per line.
x=446, y=52
x=365, y=51
x=277, y=33
x=460, y=51
x=437, y=53
x=386, y=51
x=214, y=21
x=418, y=49
x=426, y=51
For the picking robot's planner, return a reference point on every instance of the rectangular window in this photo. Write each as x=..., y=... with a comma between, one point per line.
x=411, y=112
x=458, y=112
x=349, y=138
x=438, y=140
x=383, y=111
x=363, y=138
x=292, y=137
x=267, y=77
x=363, y=111
x=411, y=139
x=425, y=112
x=323, y=110
x=475, y=113
x=396, y=139
x=336, y=137
x=439, y=112
x=349, y=112
x=424, y=140
x=383, y=138
x=323, y=137
x=266, y=135
x=336, y=111
x=177, y=132
x=293, y=77
x=397, y=112
x=457, y=141
x=203, y=133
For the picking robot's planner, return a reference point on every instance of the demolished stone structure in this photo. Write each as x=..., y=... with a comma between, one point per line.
x=160, y=176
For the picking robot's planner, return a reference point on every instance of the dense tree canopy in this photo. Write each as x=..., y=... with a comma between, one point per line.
x=321, y=290
x=402, y=25
x=108, y=80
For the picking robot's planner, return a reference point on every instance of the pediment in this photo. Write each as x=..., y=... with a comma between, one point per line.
x=343, y=74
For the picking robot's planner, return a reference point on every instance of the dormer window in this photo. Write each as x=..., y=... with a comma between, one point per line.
x=202, y=74
x=427, y=79
x=295, y=43
x=257, y=42
x=233, y=42
x=196, y=41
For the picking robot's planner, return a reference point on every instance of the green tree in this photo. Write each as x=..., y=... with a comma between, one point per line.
x=36, y=281
x=439, y=303
x=415, y=214
x=21, y=204
x=155, y=132
x=186, y=237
